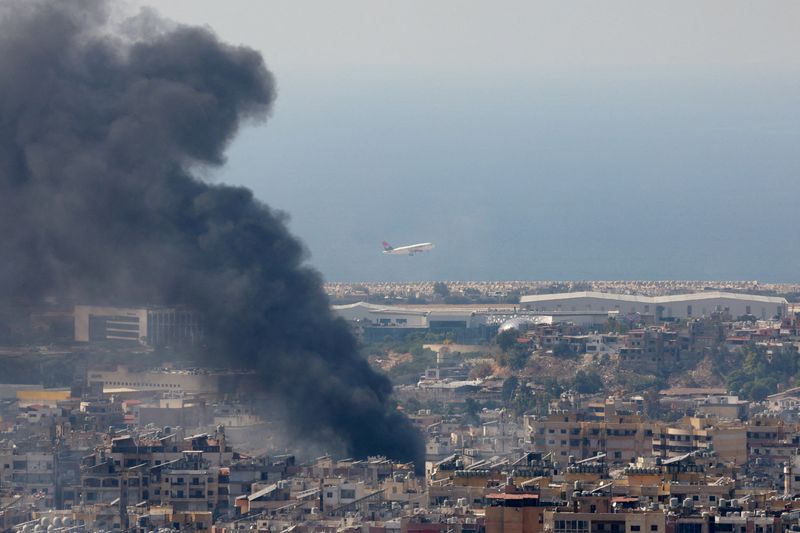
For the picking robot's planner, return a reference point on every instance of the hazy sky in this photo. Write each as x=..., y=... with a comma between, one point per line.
x=528, y=140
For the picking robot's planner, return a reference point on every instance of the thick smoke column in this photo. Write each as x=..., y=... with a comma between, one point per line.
x=99, y=131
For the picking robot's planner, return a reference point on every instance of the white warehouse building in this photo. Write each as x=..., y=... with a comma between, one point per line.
x=428, y=316
x=674, y=306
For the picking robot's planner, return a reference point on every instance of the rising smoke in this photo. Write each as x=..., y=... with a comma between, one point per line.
x=100, y=130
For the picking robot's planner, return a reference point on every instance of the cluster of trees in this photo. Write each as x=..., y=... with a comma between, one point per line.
x=407, y=372
x=587, y=382
x=762, y=370
x=512, y=354
x=518, y=397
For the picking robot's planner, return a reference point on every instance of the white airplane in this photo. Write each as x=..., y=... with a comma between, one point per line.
x=411, y=249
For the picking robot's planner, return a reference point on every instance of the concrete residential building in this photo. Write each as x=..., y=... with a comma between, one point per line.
x=621, y=436
x=691, y=434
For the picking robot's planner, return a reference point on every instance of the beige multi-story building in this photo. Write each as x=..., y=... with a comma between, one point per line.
x=606, y=522
x=622, y=437
x=192, y=484
x=514, y=512
x=29, y=472
x=691, y=434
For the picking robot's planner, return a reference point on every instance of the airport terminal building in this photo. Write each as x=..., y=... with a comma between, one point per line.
x=680, y=306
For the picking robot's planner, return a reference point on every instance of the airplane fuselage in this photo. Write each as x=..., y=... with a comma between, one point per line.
x=411, y=249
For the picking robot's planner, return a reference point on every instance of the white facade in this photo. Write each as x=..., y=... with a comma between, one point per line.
x=342, y=492
x=380, y=315
x=119, y=323
x=675, y=306
x=401, y=317
x=157, y=380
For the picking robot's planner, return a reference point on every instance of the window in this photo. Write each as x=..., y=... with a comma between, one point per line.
x=689, y=528
x=348, y=494
x=654, y=527
x=571, y=526
x=688, y=310
x=635, y=528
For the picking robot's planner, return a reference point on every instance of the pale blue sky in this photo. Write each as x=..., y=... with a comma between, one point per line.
x=528, y=140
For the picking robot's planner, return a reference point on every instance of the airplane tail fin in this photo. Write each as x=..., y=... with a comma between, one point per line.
x=387, y=246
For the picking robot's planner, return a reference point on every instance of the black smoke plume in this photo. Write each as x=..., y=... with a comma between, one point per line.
x=102, y=123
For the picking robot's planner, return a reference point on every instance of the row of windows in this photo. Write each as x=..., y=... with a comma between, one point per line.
x=571, y=526
x=23, y=465
x=180, y=480
x=142, y=384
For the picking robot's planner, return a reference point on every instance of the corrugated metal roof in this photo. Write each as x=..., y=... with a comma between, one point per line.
x=263, y=492
x=637, y=298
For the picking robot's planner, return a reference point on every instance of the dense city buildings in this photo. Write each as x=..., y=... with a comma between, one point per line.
x=581, y=412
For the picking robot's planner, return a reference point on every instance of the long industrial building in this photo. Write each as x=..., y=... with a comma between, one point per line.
x=379, y=321
x=680, y=306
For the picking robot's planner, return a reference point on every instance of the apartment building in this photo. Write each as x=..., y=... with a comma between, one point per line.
x=727, y=439
x=622, y=437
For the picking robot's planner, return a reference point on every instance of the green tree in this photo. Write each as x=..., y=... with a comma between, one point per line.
x=524, y=401
x=506, y=339
x=516, y=358
x=509, y=386
x=481, y=370
x=588, y=382
x=563, y=349
x=471, y=410
x=441, y=289
x=762, y=371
